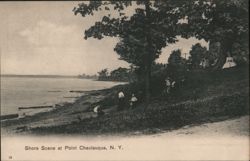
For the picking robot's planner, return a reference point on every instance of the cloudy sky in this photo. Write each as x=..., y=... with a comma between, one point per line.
x=47, y=38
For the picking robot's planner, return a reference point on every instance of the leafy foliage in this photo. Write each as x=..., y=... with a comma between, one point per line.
x=103, y=74
x=120, y=74
x=132, y=31
x=155, y=24
x=197, y=54
x=223, y=21
x=152, y=26
x=177, y=67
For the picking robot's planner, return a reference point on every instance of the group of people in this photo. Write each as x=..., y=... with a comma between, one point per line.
x=122, y=101
x=121, y=104
x=169, y=85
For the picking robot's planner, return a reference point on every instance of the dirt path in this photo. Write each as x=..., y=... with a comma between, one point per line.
x=233, y=127
x=224, y=140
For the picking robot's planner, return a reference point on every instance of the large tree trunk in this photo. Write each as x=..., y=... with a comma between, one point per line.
x=147, y=82
x=149, y=54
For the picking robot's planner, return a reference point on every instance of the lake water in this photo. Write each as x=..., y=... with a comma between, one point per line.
x=26, y=91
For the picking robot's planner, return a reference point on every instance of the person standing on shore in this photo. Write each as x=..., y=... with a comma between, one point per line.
x=133, y=101
x=121, y=101
x=168, y=85
x=99, y=111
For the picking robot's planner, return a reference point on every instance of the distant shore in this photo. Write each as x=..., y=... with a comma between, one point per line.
x=38, y=76
x=94, y=78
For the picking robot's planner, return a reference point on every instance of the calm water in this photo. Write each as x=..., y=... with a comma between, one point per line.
x=24, y=92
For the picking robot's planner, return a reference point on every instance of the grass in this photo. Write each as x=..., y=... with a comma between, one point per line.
x=206, y=95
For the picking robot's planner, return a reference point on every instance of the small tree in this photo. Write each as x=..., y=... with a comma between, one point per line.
x=197, y=54
x=120, y=74
x=103, y=74
x=176, y=67
x=240, y=52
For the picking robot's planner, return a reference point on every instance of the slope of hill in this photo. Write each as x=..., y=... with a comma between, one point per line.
x=206, y=97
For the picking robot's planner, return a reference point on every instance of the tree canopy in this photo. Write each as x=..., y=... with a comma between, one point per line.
x=197, y=54
x=103, y=74
x=120, y=74
x=152, y=26
x=157, y=21
x=222, y=21
x=177, y=67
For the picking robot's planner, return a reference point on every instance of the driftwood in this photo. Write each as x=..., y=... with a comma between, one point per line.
x=34, y=107
x=77, y=91
x=54, y=91
x=10, y=116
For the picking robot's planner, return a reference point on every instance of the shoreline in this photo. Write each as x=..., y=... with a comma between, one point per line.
x=82, y=109
x=35, y=108
x=68, y=112
x=78, y=117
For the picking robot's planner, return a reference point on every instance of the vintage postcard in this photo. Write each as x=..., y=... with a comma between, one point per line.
x=124, y=80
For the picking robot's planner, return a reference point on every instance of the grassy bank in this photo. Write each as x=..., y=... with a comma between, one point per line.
x=167, y=117
x=206, y=96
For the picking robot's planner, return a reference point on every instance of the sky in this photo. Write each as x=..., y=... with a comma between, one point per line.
x=46, y=38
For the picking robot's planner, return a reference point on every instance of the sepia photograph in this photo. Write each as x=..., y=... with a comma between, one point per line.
x=124, y=80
